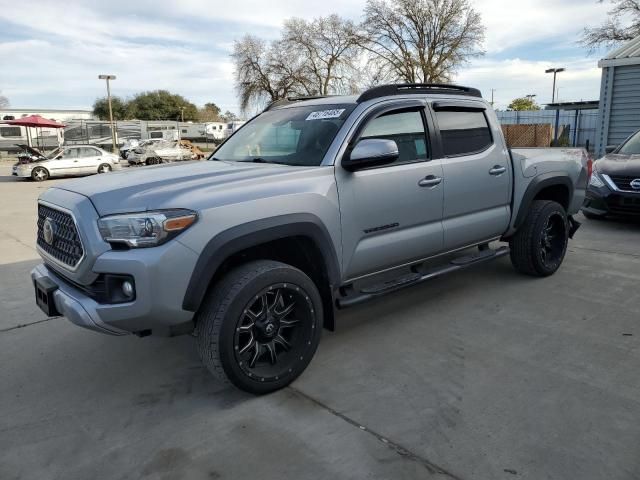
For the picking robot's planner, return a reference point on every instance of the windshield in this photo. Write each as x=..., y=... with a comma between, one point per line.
x=291, y=136
x=632, y=147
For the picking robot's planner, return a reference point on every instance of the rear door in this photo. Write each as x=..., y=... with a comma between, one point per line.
x=478, y=177
x=89, y=158
x=392, y=214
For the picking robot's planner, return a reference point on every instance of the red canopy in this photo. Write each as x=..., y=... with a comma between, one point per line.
x=34, y=121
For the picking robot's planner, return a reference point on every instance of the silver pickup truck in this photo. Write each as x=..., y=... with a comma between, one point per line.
x=312, y=206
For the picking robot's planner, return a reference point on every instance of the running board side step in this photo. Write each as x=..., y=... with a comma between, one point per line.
x=454, y=265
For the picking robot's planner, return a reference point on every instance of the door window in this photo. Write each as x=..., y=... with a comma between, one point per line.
x=464, y=132
x=406, y=129
x=87, y=152
x=71, y=153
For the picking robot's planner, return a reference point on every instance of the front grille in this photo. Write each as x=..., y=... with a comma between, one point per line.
x=64, y=245
x=624, y=183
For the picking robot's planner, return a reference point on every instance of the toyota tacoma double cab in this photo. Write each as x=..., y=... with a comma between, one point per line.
x=314, y=205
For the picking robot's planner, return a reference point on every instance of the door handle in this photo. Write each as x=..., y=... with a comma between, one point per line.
x=430, y=181
x=497, y=170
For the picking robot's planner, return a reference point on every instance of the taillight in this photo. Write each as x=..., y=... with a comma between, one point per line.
x=589, y=167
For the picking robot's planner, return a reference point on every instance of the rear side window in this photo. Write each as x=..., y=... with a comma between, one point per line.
x=463, y=133
x=406, y=129
x=10, y=132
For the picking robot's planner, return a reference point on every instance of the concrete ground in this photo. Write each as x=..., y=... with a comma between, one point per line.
x=484, y=374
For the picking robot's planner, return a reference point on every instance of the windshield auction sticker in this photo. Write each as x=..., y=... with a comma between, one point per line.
x=324, y=114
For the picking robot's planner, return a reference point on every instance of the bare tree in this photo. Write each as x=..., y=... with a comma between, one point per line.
x=328, y=51
x=263, y=72
x=622, y=24
x=422, y=41
x=4, y=101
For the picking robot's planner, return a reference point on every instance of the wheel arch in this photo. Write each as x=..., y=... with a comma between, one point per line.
x=550, y=186
x=43, y=168
x=298, y=239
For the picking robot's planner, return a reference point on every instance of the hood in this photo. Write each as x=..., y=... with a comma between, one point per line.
x=619, y=165
x=193, y=185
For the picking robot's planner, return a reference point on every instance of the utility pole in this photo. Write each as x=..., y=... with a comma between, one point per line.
x=555, y=72
x=114, y=133
x=182, y=113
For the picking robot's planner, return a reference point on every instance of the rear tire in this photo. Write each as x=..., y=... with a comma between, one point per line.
x=104, y=168
x=540, y=244
x=260, y=326
x=39, y=174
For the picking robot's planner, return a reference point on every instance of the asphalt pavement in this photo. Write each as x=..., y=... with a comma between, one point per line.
x=484, y=374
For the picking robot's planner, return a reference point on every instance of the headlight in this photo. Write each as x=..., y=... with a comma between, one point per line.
x=146, y=229
x=595, y=180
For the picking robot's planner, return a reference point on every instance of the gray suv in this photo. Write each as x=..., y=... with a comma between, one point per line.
x=314, y=205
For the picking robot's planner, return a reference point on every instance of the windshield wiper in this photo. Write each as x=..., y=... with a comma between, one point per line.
x=262, y=160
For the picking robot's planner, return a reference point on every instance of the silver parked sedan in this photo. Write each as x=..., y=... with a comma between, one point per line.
x=76, y=160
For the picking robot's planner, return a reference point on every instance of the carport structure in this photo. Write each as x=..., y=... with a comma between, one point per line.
x=35, y=121
x=619, y=114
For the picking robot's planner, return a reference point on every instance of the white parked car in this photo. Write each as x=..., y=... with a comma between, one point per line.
x=159, y=152
x=76, y=160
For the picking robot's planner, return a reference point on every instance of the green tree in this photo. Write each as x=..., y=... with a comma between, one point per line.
x=101, y=108
x=523, y=104
x=161, y=105
x=209, y=113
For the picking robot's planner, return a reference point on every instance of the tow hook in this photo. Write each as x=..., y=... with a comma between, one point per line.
x=574, y=225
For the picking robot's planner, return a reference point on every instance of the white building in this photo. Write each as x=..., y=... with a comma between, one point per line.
x=59, y=115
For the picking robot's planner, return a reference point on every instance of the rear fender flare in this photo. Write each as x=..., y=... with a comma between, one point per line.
x=538, y=184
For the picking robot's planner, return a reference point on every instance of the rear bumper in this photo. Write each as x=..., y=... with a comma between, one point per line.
x=603, y=201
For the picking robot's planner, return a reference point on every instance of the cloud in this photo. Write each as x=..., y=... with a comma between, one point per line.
x=54, y=57
x=517, y=77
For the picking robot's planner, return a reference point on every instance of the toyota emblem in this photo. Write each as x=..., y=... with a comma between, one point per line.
x=48, y=231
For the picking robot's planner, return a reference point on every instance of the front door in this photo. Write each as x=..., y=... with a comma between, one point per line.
x=392, y=215
x=66, y=164
x=477, y=172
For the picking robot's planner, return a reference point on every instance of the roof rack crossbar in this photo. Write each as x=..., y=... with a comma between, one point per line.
x=287, y=100
x=409, y=88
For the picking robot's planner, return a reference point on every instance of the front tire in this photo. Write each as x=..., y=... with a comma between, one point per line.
x=39, y=174
x=260, y=326
x=104, y=168
x=540, y=244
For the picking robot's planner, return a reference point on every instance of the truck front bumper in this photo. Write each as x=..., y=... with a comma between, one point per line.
x=160, y=276
x=73, y=304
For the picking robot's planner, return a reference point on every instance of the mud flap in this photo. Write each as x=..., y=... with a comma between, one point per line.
x=574, y=225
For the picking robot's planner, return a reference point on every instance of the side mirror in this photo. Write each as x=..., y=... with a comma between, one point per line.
x=371, y=152
x=610, y=148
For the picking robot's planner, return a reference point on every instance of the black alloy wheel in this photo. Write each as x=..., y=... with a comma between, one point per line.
x=553, y=240
x=260, y=325
x=274, y=332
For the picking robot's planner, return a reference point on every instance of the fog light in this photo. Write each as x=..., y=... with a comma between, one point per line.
x=127, y=289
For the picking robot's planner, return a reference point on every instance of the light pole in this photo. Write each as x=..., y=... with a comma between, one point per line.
x=555, y=72
x=113, y=130
x=182, y=114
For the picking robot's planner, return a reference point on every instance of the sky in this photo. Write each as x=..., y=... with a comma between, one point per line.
x=51, y=52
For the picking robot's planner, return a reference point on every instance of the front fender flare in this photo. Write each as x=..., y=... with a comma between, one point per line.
x=251, y=234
